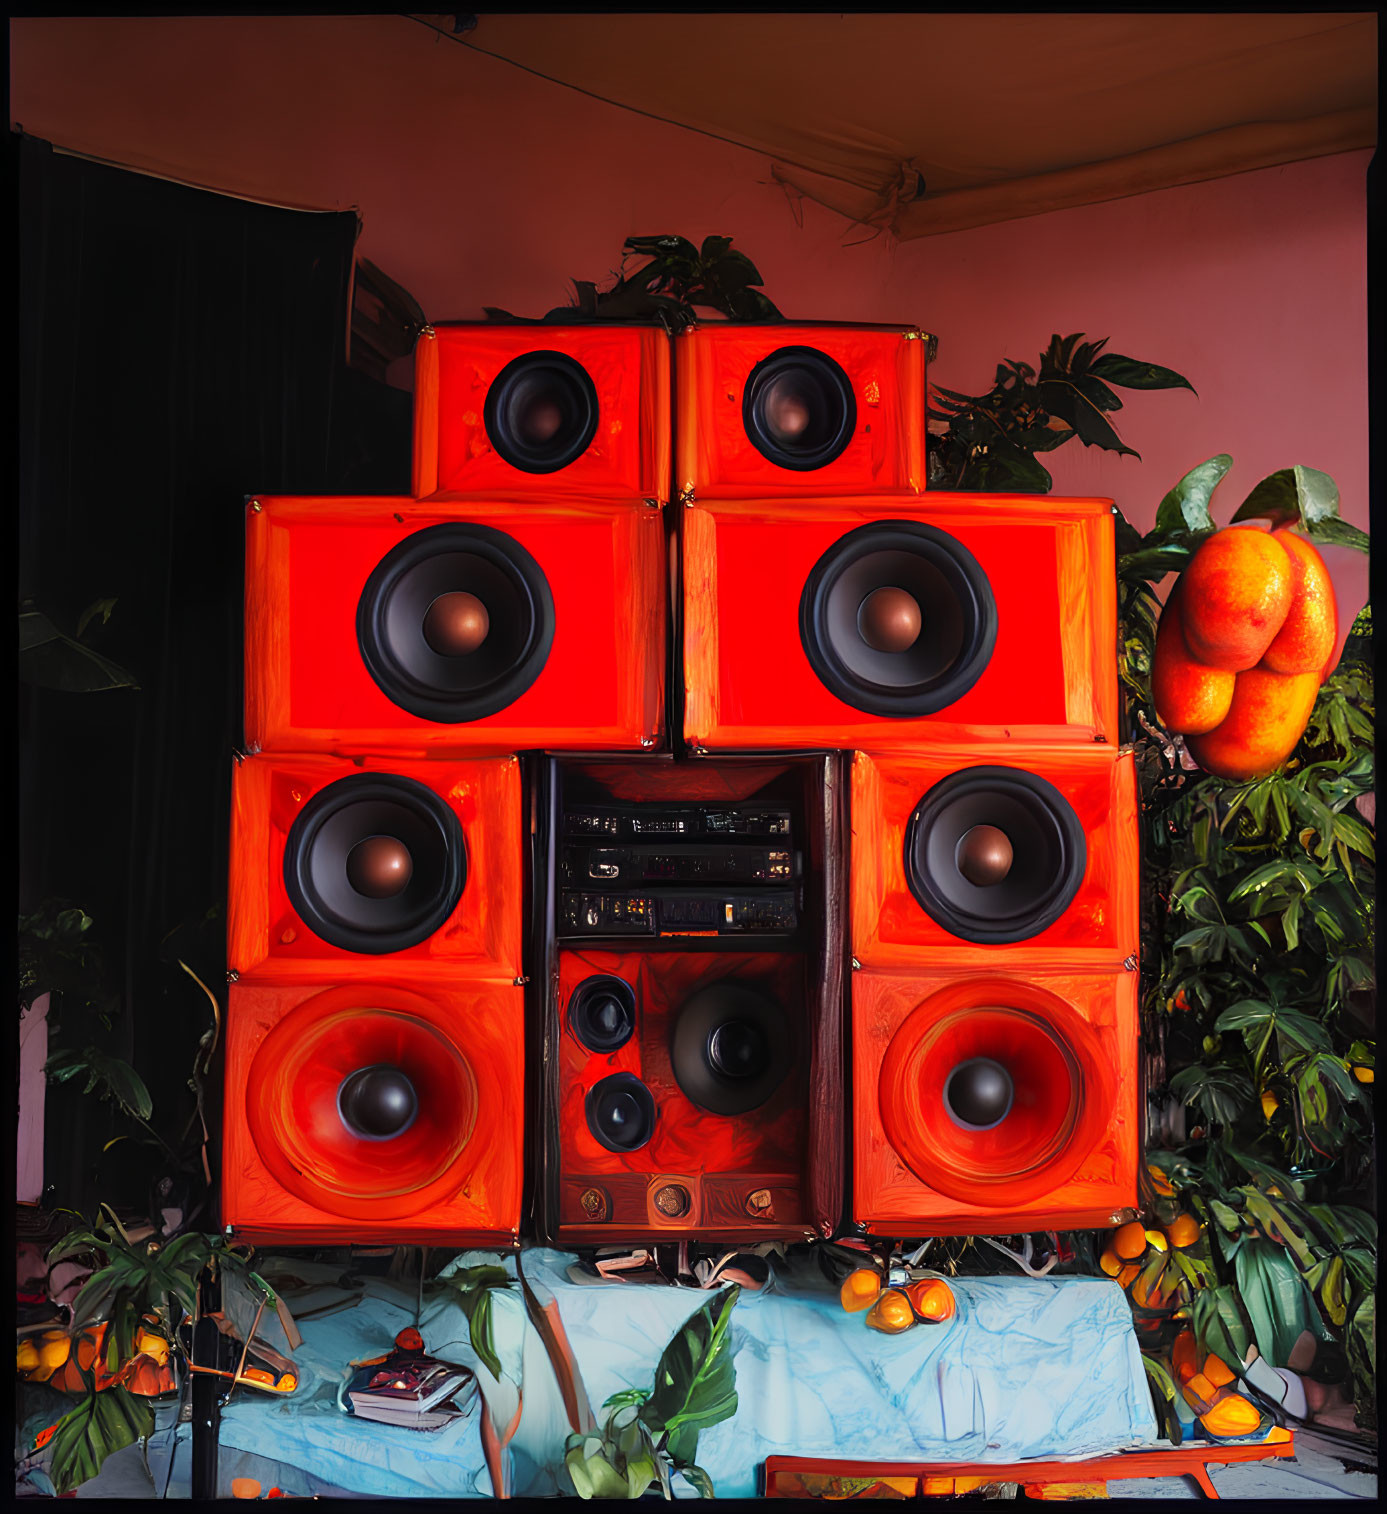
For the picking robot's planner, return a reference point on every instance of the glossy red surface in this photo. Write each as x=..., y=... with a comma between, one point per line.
x=308, y=689
x=885, y=368
x=292, y=1171
x=629, y=456
x=1052, y=675
x=1100, y=926
x=265, y=935
x=721, y=1160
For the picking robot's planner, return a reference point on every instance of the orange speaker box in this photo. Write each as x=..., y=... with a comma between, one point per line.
x=336, y=865
x=371, y=1112
x=393, y=626
x=883, y=624
x=786, y=409
x=996, y=1103
x=931, y=879
x=507, y=411
x=683, y=1092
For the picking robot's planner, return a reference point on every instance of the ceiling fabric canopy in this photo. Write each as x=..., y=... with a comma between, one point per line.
x=921, y=124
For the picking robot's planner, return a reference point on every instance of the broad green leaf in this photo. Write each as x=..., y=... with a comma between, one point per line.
x=1061, y=397
x=1185, y=509
x=103, y=1422
x=713, y=248
x=1219, y=1324
x=696, y=1477
x=1305, y=497
x=479, y=1330
x=1332, y=1293
x=1226, y=1217
x=695, y=1380
x=1132, y=374
x=1274, y=1298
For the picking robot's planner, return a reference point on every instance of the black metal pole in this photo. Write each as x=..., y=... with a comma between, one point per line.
x=206, y=1394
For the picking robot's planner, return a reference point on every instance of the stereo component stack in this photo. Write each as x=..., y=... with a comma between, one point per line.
x=595, y=781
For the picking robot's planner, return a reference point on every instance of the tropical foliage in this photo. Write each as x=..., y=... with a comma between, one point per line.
x=991, y=440
x=652, y=1433
x=1258, y=930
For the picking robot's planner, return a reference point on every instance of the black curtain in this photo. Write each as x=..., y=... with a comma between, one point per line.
x=179, y=351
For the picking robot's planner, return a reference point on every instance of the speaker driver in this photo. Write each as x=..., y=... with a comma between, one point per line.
x=994, y=854
x=456, y=622
x=360, y=1104
x=730, y=1048
x=602, y=1012
x=993, y=1092
x=798, y=408
x=620, y=1112
x=541, y=411
x=375, y=863
x=897, y=618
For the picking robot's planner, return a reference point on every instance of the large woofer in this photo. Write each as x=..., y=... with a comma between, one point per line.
x=994, y=1092
x=360, y=1104
x=897, y=618
x=375, y=863
x=730, y=1048
x=541, y=411
x=994, y=854
x=456, y=622
x=798, y=408
x=602, y=1012
x=620, y=1112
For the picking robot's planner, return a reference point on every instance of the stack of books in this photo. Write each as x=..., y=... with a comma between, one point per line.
x=416, y=1391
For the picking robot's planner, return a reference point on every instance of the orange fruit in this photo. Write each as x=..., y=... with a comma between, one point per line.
x=1129, y=1241
x=1218, y=1372
x=1110, y=1262
x=1231, y=1416
x=860, y=1290
x=153, y=1345
x=1270, y=1103
x=1184, y=1356
x=1129, y=1274
x=1190, y=696
x=1268, y=716
x=1305, y=642
x=891, y=1314
x=1237, y=593
x=1183, y=1231
x=932, y=1299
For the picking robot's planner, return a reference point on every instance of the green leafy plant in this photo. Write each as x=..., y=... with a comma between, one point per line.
x=474, y=1287
x=676, y=280
x=652, y=1433
x=991, y=440
x=1258, y=913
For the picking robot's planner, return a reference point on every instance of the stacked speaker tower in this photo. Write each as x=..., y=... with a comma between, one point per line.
x=589, y=786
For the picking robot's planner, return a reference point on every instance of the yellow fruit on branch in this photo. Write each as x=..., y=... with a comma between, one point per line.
x=1157, y=1239
x=1184, y=1230
x=860, y=1290
x=1270, y=1103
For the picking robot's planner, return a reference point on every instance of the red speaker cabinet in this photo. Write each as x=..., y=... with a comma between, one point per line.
x=883, y=624
x=994, y=1101
x=796, y=410
x=341, y=868
x=391, y=626
x=551, y=412
x=980, y=855
x=374, y=1112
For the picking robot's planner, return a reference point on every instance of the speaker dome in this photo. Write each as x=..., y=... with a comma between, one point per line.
x=730, y=1047
x=993, y=1092
x=620, y=1112
x=456, y=622
x=602, y=1012
x=798, y=408
x=360, y=1103
x=375, y=863
x=962, y=877
x=906, y=653
x=541, y=411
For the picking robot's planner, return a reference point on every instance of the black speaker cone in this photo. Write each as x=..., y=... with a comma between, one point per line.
x=730, y=1048
x=798, y=408
x=602, y=1012
x=620, y=1112
x=456, y=622
x=908, y=652
x=377, y=1103
x=958, y=869
x=978, y=1094
x=541, y=411
x=375, y=863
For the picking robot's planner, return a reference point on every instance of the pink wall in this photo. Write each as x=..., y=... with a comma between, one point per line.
x=479, y=184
